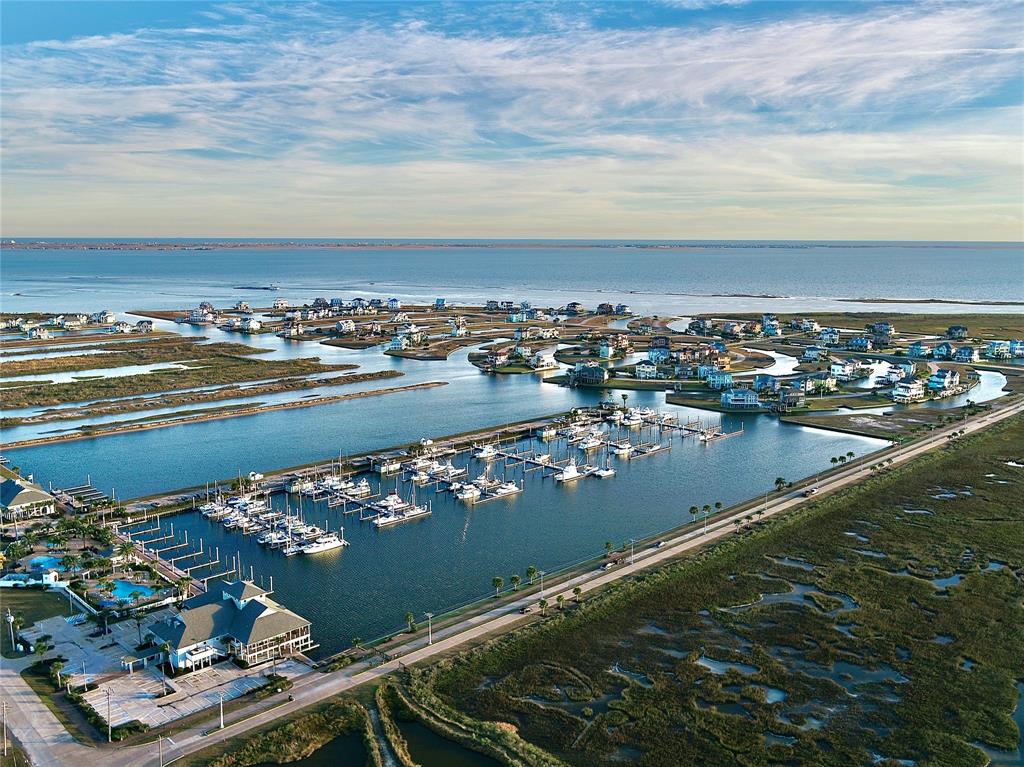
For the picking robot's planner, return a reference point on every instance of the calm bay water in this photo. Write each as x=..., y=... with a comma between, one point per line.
x=807, y=275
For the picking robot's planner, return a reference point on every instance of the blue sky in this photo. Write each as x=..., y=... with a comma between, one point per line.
x=681, y=119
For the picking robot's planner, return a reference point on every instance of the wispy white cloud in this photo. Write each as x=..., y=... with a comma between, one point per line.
x=752, y=123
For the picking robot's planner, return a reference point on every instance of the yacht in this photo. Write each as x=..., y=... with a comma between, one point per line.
x=418, y=464
x=569, y=472
x=393, y=502
x=389, y=466
x=632, y=419
x=361, y=489
x=486, y=453
x=421, y=477
x=607, y=471
x=448, y=471
x=291, y=549
x=614, y=417
x=486, y=483
x=412, y=512
x=468, y=492
x=326, y=542
x=548, y=432
x=592, y=442
x=507, y=488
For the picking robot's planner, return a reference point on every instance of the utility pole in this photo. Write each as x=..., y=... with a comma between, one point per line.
x=160, y=748
x=110, y=738
x=4, y=706
x=222, y=711
x=430, y=631
x=541, y=574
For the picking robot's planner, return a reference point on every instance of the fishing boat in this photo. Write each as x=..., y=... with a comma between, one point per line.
x=569, y=473
x=421, y=477
x=291, y=549
x=391, y=503
x=605, y=472
x=486, y=453
x=325, y=542
x=623, y=447
x=591, y=442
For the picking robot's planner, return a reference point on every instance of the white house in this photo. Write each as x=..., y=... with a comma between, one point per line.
x=645, y=370
x=544, y=359
x=740, y=399
x=236, y=619
x=908, y=389
x=345, y=326
x=280, y=304
x=394, y=304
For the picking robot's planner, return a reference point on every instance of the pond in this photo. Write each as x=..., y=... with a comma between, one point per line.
x=429, y=749
x=344, y=751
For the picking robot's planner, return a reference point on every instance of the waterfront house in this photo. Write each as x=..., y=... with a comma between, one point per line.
x=544, y=359
x=657, y=354
x=700, y=327
x=377, y=303
x=242, y=306
x=105, y=317
x=517, y=317
x=817, y=383
x=943, y=351
x=234, y=619
x=525, y=334
x=998, y=350
x=440, y=304
x=805, y=324
x=908, y=389
x=523, y=351
x=496, y=359
x=1016, y=348
x=200, y=316
x=345, y=326
x=121, y=327
x=39, y=333
x=881, y=328
x=526, y=306
x=359, y=303
x=491, y=306
x=589, y=374
x=764, y=382
x=399, y=317
x=574, y=307
x=250, y=325
x=337, y=303
x=718, y=346
x=143, y=326
x=966, y=354
x=791, y=397
x=829, y=336
x=605, y=308
x=740, y=399
x=720, y=379
x=918, y=349
x=457, y=331
x=732, y=329
x=645, y=371
x=813, y=354
x=394, y=304
x=399, y=343
x=292, y=329
x=956, y=332
x=860, y=344
x=280, y=304
x=943, y=379
x=770, y=325
x=507, y=306
x=623, y=309
x=604, y=350
x=845, y=370
x=20, y=499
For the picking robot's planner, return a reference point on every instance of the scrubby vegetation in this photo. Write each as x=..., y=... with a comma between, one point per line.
x=879, y=624
x=300, y=738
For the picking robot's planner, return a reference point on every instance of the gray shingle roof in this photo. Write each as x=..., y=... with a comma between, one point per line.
x=14, y=494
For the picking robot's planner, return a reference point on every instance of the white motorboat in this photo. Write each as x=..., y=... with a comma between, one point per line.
x=486, y=453
x=326, y=542
x=468, y=492
x=361, y=489
x=421, y=477
x=569, y=472
x=591, y=443
x=507, y=488
x=392, y=502
x=632, y=419
x=625, y=447
x=394, y=518
x=291, y=549
x=607, y=471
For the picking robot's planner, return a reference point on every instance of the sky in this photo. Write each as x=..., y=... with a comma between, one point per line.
x=683, y=119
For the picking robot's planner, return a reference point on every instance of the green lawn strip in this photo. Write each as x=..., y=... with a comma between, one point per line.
x=655, y=625
x=29, y=605
x=67, y=713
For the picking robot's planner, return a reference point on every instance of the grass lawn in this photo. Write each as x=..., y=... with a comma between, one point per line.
x=31, y=605
x=884, y=622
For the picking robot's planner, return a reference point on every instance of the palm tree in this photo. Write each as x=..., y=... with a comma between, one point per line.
x=625, y=397
x=515, y=580
x=576, y=593
x=543, y=606
x=850, y=454
x=497, y=582
x=410, y=621
x=834, y=460
x=694, y=511
x=706, y=509
x=126, y=550
x=55, y=668
x=842, y=459
x=531, y=573
x=41, y=649
x=70, y=562
x=165, y=648
x=780, y=482
x=137, y=617
x=183, y=584
x=357, y=642
x=607, y=548
x=561, y=601
x=736, y=524
x=718, y=505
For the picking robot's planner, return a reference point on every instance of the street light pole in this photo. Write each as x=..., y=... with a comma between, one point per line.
x=541, y=574
x=631, y=542
x=222, y=711
x=430, y=632
x=160, y=748
x=4, y=706
x=110, y=738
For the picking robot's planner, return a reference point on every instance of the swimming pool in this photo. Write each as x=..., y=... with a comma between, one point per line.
x=45, y=562
x=123, y=590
